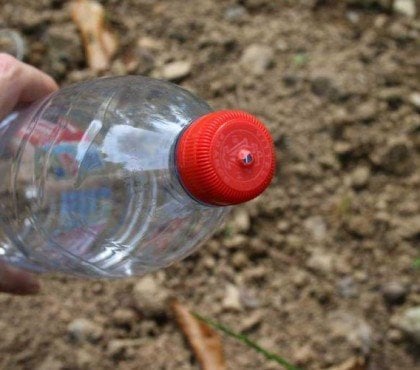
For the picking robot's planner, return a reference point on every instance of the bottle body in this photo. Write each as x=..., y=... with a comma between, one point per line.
x=90, y=186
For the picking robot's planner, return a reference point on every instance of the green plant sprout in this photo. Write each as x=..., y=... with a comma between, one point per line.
x=247, y=341
x=416, y=263
x=300, y=59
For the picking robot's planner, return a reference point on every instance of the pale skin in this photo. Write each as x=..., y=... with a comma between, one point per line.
x=20, y=83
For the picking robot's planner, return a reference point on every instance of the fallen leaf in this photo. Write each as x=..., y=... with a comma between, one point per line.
x=204, y=340
x=354, y=363
x=100, y=43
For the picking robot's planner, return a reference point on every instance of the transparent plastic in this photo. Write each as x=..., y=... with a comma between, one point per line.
x=90, y=186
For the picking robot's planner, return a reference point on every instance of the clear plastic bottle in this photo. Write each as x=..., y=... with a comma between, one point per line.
x=122, y=176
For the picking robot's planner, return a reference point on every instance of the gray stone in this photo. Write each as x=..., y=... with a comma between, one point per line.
x=249, y=299
x=320, y=262
x=405, y=7
x=353, y=17
x=347, y=288
x=317, y=227
x=414, y=99
x=81, y=330
x=355, y=330
x=409, y=323
x=360, y=176
x=257, y=58
x=150, y=296
x=235, y=13
x=241, y=221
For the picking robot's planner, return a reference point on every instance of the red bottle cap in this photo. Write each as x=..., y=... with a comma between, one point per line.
x=225, y=157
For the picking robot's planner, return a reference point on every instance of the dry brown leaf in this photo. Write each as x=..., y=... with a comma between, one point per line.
x=354, y=363
x=100, y=43
x=204, y=340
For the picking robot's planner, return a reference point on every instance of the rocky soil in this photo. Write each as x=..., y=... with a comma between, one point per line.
x=321, y=268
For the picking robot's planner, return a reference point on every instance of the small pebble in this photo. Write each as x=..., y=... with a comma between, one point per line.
x=252, y=321
x=124, y=317
x=357, y=332
x=241, y=220
x=176, y=71
x=283, y=225
x=414, y=99
x=353, y=17
x=81, y=330
x=231, y=300
x=394, y=335
x=116, y=348
x=249, y=299
x=347, y=288
x=240, y=260
x=235, y=13
x=342, y=148
x=320, y=262
x=300, y=279
x=360, y=177
x=366, y=112
x=394, y=293
x=405, y=7
x=235, y=241
x=409, y=323
x=316, y=225
x=304, y=354
x=150, y=296
x=257, y=58
x=360, y=226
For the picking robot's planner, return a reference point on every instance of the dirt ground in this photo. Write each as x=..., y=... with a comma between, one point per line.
x=319, y=269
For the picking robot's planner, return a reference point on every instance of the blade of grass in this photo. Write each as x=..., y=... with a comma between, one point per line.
x=244, y=339
x=416, y=263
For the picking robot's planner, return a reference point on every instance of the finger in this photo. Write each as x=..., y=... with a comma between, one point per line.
x=20, y=82
x=16, y=281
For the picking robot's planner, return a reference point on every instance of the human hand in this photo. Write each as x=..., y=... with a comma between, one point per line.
x=19, y=83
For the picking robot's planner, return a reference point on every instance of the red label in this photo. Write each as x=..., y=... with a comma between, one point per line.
x=46, y=132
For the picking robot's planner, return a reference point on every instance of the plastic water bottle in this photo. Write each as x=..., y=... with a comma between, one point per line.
x=122, y=176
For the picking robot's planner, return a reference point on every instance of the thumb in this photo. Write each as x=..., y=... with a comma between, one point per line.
x=20, y=82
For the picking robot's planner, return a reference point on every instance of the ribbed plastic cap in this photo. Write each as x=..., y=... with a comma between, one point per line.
x=225, y=157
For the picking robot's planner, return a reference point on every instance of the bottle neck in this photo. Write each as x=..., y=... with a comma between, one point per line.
x=175, y=185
